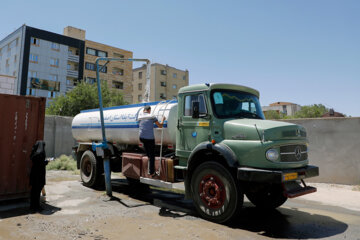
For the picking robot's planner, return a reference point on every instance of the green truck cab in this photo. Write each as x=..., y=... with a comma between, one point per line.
x=228, y=149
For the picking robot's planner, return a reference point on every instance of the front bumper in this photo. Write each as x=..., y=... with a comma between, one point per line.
x=276, y=176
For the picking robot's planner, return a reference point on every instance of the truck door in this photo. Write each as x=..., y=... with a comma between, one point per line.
x=193, y=130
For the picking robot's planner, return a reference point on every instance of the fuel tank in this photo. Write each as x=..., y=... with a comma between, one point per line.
x=122, y=123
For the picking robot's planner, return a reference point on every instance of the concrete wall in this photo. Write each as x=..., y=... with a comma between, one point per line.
x=58, y=136
x=334, y=146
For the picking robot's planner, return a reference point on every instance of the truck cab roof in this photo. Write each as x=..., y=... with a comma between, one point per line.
x=211, y=86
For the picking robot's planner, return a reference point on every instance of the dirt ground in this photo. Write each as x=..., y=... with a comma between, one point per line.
x=73, y=211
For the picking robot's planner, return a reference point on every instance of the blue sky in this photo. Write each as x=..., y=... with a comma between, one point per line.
x=306, y=52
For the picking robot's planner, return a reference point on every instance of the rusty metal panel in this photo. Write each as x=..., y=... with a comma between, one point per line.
x=167, y=169
x=22, y=124
x=132, y=165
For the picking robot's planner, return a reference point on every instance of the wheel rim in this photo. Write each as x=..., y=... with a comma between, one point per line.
x=212, y=191
x=86, y=168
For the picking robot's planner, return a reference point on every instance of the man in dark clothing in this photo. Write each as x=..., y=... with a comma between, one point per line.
x=146, y=130
x=37, y=174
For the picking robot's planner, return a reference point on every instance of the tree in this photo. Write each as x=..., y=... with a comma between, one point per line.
x=272, y=114
x=311, y=111
x=84, y=96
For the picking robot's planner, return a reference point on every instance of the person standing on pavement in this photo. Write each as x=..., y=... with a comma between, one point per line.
x=146, y=134
x=37, y=174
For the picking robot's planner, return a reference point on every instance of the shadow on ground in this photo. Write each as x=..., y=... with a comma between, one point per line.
x=279, y=223
x=20, y=207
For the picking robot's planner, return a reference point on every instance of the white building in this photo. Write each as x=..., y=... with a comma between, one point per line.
x=287, y=108
x=43, y=63
x=7, y=84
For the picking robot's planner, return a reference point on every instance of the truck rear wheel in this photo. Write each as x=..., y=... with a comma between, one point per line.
x=216, y=195
x=91, y=171
x=269, y=197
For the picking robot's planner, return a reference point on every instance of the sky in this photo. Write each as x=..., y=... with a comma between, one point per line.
x=305, y=52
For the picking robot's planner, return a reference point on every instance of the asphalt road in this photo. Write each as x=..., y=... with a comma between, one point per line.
x=73, y=211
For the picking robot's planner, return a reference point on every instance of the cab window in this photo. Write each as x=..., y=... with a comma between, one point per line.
x=195, y=98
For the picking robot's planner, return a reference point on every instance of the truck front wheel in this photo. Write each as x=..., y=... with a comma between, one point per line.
x=269, y=197
x=91, y=170
x=216, y=195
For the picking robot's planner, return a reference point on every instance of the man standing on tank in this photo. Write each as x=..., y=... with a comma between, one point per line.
x=146, y=134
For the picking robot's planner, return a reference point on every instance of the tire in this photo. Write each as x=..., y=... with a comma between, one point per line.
x=91, y=170
x=217, y=196
x=269, y=197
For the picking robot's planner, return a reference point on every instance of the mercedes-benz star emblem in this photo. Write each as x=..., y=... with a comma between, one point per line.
x=298, y=153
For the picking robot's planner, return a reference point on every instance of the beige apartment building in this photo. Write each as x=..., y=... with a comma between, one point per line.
x=165, y=82
x=118, y=75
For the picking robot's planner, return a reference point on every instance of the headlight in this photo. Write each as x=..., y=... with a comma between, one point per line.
x=272, y=154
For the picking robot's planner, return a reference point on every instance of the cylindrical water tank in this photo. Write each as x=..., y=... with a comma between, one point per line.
x=122, y=123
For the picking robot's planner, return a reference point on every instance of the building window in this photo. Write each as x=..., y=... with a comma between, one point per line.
x=51, y=94
x=118, y=71
x=90, y=80
x=103, y=69
x=91, y=51
x=54, y=62
x=53, y=77
x=163, y=84
x=30, y=91
x=163, y=72
x=15, y=58
x=90, y=66
x=162, y=95
x=174, y=86
x=35, y=41
x=118, y=55
x=33, y=58
x=184, y=77
x=14, y=73
x=140, y=86
x=55, y=46
x=139, y=98
x=13, y=44
x=174, y=75
x=7, y=62
x=140, y=75
x=68, y=82
x=101, y=53
x=118, y=85
x=32, y=74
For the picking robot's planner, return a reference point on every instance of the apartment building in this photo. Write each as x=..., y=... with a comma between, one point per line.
x=118, y=75
x=7, y=84
x=40, y=61
x=286, y=108
x=165, y=82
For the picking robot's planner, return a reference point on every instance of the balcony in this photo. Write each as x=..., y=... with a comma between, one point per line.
x=72, y=73
x=73, y=58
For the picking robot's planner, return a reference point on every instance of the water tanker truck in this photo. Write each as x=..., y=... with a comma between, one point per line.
x=215, y=139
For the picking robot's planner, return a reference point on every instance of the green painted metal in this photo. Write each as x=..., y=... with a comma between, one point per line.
x=249, y=139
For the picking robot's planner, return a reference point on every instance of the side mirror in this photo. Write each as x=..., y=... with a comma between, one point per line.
x=195, y=110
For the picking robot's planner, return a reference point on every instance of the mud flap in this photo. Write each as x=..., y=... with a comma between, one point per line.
x=294, y=189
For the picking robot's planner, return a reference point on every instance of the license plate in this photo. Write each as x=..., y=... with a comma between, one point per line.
x=290, y=176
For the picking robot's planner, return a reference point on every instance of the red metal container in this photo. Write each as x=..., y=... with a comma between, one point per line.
x=167, y=168
x=22, y=124
x=132, y=165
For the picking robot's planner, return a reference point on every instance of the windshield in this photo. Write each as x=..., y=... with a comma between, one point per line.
x=235, y=104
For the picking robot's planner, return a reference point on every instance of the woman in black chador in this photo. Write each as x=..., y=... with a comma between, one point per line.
x=37, y=174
